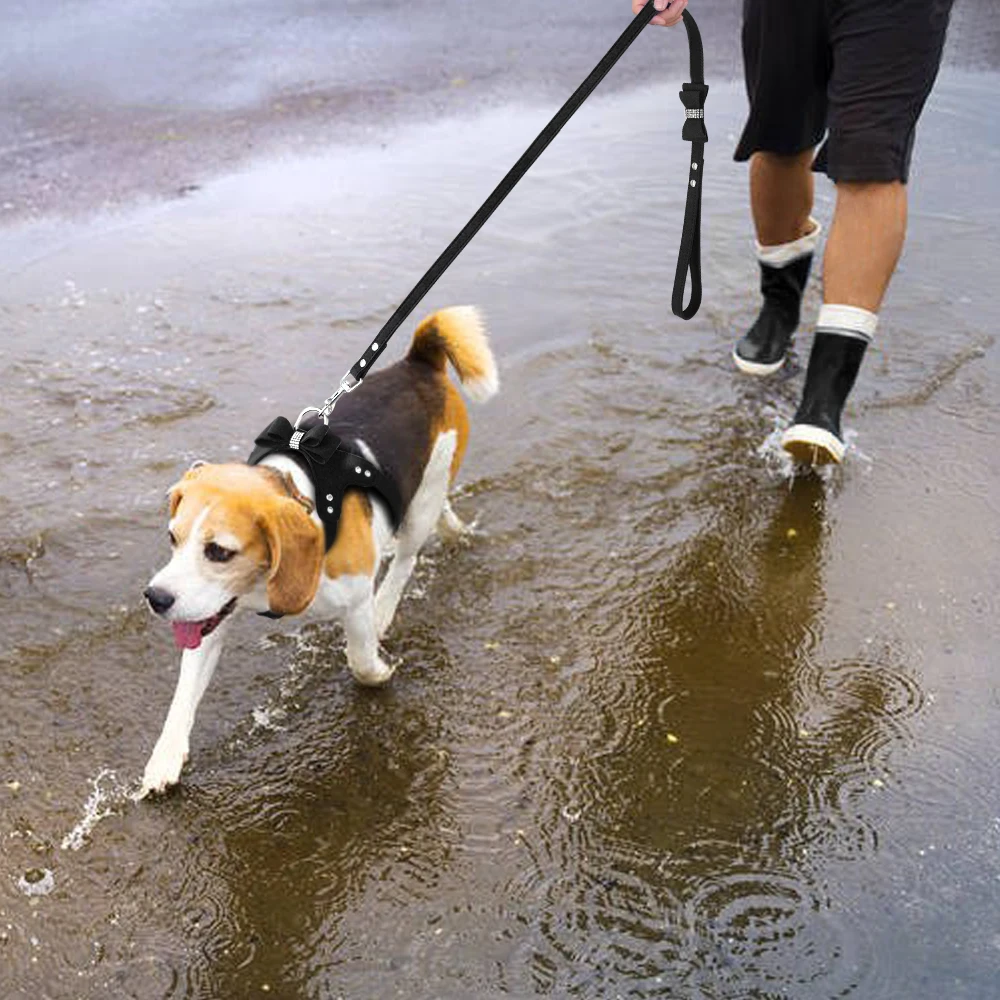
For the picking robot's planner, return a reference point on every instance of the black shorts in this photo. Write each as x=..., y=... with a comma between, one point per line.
x=857, y=71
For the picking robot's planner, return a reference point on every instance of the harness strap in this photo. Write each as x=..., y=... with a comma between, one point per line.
x=689, y=258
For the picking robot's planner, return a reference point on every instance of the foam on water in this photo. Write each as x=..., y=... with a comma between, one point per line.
x=37, y=882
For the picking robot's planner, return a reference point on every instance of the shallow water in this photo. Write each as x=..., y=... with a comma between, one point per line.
x=673, y=724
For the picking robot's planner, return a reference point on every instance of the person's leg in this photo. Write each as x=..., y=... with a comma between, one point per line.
x=865, y=241
x=785, y=62
x=781, y=199
x=781, y=196
x=886, y=57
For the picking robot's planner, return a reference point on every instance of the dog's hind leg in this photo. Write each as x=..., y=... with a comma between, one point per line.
x=425, y=513
x=362, y=645
x=391, y=590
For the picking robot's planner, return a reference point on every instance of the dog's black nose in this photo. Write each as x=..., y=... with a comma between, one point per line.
x=161, y=601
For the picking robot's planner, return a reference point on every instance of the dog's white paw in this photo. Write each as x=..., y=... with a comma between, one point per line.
x=373, y=673
x=452, y=529
x=163, y=768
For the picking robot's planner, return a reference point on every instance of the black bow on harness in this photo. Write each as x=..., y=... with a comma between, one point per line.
x=317, y=444
x=332, y=467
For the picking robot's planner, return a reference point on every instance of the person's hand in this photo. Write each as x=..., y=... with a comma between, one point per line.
x=671, y=10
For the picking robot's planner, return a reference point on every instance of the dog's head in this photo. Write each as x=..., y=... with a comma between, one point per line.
x=233, y=529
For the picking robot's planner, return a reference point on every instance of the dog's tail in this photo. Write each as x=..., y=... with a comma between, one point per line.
x=458, y=335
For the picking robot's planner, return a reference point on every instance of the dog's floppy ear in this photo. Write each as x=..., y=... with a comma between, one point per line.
x=295, y=544
x=174, y=496
x=176, y=492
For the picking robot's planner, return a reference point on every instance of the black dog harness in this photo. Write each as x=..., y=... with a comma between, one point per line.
x=331, y=465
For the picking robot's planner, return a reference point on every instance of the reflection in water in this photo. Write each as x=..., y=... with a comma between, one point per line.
x=350, y=801
x=739, y=782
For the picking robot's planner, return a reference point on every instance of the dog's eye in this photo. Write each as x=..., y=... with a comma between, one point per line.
x=173, y=539
x=217, y=554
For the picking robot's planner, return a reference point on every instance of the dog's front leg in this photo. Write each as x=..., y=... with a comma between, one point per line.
x=171, y=751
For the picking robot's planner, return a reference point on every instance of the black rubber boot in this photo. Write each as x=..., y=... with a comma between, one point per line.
x=763, y=348
x=815, y=436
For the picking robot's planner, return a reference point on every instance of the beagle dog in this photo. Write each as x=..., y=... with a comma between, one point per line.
x=248, y=538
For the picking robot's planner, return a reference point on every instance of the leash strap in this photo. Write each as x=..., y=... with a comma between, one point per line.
x=693, y=97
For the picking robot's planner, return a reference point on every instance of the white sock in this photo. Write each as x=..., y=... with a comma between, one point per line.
x=785, y=253
x=847, y=321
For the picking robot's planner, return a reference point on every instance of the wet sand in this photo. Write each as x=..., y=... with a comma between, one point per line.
x=674, y=724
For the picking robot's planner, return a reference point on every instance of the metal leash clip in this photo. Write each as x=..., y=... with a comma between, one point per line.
x=347, y=384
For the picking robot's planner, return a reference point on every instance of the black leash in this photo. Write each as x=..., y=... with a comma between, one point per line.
x=692, y=96
x=333, y=468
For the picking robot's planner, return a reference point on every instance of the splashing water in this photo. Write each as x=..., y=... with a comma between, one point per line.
x=783, y=467
x=107, y=793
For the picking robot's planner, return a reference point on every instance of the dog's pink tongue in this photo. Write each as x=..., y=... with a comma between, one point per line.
x=187, y=635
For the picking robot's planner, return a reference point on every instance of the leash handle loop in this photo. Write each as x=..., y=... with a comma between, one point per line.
x=693, y=97
x=689, y=259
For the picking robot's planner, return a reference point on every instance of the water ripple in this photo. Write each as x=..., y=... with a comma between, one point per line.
x=150, y=977
x=946, y=371
x=776, y=931
x=209, y=920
